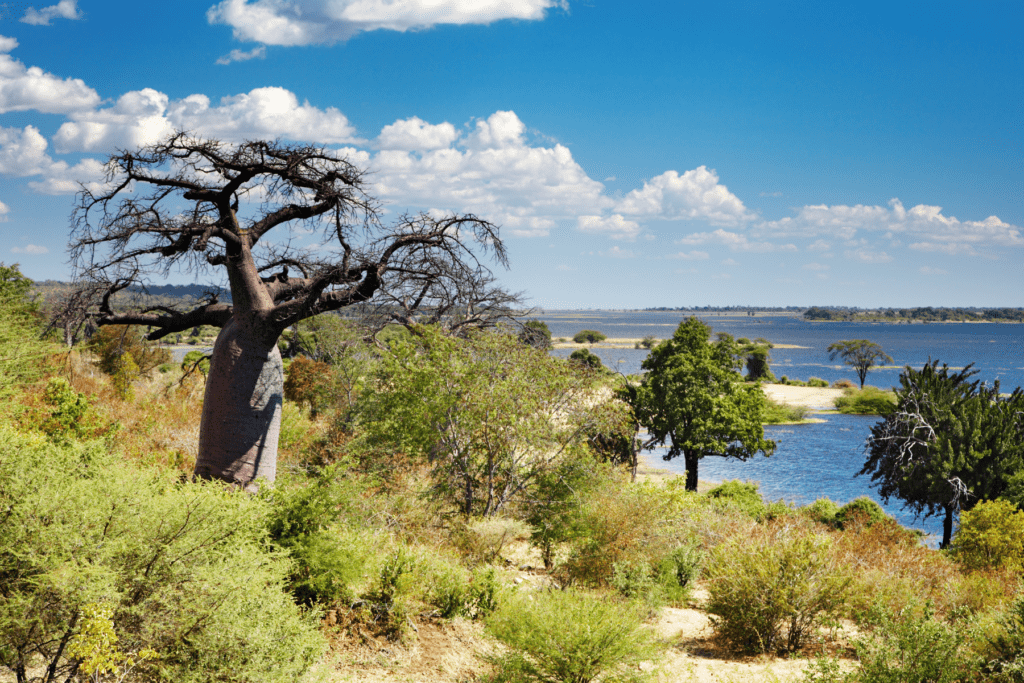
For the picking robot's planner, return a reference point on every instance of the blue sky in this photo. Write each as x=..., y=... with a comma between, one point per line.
x=635, y=154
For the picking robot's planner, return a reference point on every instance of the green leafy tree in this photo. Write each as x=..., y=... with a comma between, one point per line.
x=693, y=399
x=21, y=351
x=861, y=354
x=949, y=443
x=588, y=337
x=489, y=413
x=585, y=357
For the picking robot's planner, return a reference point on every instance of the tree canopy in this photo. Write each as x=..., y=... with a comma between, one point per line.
x=694, y=400
x=950, y=443
x=859, y=353
x=488, y=412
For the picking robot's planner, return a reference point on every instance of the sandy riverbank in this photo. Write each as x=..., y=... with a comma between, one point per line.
x=822, y=398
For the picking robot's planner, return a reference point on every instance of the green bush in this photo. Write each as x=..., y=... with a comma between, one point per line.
x=585, y=357
x=817, y=382
x=912, y=647
x=482, y=540
x=112, y=341
x=740, y=494
x=822, y=510
x=771, y=592
x=780, y=413
x=866, y=401
x=195, y=361
x=1004, y=650
x=862, y=511
x=570, y=636
x=183, y=567
x=553, y=509
x=304, y=520
x=991, y=536
x=588, y=337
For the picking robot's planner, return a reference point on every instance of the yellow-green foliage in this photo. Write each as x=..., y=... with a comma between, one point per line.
x=867, y=401
x=94, y=646
x=570, y=636
x=126, y=371
x=991, y=536
x=771, y=590
x=184, y=568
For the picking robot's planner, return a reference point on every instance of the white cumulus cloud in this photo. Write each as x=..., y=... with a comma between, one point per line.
x=145, y=116
x=414, y=134
x=30, y=88
x=305, y=22
x=494, y=173
x=65, y=9
x=23, y=153
x=696, y=194
x=932, y=230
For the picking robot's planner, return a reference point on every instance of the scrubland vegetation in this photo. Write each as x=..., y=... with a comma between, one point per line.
x=465, y=483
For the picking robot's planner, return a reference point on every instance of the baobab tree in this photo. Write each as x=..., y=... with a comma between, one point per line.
x=193, y=205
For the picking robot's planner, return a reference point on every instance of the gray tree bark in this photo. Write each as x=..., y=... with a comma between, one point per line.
x=242, y=404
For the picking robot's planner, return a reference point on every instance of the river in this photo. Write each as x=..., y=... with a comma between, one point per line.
x=815, y=460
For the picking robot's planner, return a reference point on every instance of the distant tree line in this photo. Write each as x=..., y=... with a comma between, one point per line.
x=921, y=314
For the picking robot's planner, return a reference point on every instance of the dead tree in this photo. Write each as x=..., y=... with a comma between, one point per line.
x=201, y=206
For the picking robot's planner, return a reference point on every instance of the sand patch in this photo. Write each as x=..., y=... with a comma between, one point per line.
x=823, y=398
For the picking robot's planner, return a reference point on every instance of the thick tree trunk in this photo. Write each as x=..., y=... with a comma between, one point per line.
x=691, y=460
x=947, y=528
x=241, y=409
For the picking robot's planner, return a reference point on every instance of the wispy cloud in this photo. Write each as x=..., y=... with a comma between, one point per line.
x=65, y=9
x=31, y=250
x=242, y=56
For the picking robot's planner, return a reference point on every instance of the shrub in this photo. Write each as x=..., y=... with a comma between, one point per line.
x=822, y=510
x=783, y=380
x=843, y=384
x=570, y=636
x=741, y=494
x=817, y=382
x=588, y=337
x=308, y=382
x=615, y=524
x=125, y=373
x=866, y=401
x=767, y=587
x=482, y=540
x=861, y=511
x=183, y=567
x=112, y=341
x=195, y=360
x=585, y=357
x=304, y=521
x=1004, y=650
x=913, y=646
x=991, y=536
x=647, y=342
x=553, y=509
x=779, y=413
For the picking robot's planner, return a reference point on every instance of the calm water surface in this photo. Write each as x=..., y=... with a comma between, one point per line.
x=815, y=460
